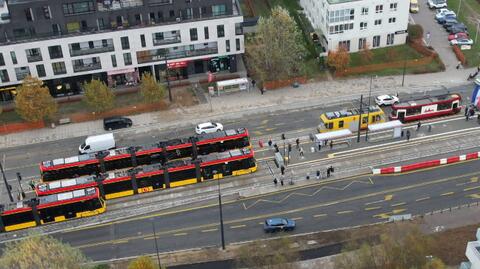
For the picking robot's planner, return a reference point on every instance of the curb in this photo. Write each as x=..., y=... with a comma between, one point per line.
x=425, y=164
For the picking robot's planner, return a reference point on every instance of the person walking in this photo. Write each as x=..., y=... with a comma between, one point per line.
x=331, y=144
x=270, y=142
x=275, y=181
x=459, y=65
x=408, y=135
x=262, y=90
x=253, y=83
x=419, y=124
x=467, y=113
x=297, y=141
x=281, y=180
x=301, y=152
x=328, y=172
x=319, y=147
x=32, y=184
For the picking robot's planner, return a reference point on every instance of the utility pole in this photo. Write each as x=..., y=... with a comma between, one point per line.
x=404, y=69
x=19, y=178
x=458, y=10
x=368, y=108
x=220, y=209
x=156, y=245
x=360, y=118
x=168, y=79
x=6, y=183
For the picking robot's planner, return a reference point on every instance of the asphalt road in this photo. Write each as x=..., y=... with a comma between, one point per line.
x=324, y=205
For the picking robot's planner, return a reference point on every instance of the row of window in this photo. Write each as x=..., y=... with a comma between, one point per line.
x=362, y=42
x=335, y=29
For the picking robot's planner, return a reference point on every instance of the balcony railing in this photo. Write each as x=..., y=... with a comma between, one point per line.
x=91, y=50
x=175, y=55
x=169, y=40
x=34, y=58
x=87, y=67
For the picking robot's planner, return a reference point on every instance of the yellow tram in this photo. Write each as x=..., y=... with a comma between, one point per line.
x=348, y=119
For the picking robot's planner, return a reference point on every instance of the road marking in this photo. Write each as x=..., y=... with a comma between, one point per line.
x=398, y=204
x=121, y=241
x=471, y=188
x=375, y=202
x=400, y=210
x=270, y=129
x=447, y=193
x=149, y=238
x=422, y=199
x=319, y=215
x=474, y=196
x=382, y=216
x=297, y=218
x=179, y=234
x=473, y=179
x=280, y=124
x=209, y=230
x=344, y=212
x=372, y=208
x=238, y=226
x=388, y=197
x=261, y=223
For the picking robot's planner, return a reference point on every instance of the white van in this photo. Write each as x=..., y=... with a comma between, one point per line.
x=97, y=143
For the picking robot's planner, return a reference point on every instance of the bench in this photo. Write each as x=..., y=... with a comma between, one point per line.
x=64, y=121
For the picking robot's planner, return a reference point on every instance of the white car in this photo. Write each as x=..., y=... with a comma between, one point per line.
x=461, y=41
x=443, y=12
x=437, y=3
x=208, y=127
x=386, y=100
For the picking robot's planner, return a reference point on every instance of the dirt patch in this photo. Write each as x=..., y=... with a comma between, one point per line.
x=185, y=96
x=451, y=244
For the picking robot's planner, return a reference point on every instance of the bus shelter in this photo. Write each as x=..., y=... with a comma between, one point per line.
x=336, y=137
x=232, y=85
x=385, y=130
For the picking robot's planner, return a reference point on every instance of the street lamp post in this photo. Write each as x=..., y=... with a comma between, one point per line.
x=156, y=245
x=168, y=79
x=360, y=118
x=222, y=232
x=368, y=108
x=6, y=183
x=404, y=69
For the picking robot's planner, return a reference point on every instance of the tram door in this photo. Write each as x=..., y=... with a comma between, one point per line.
x=455, y=105
x=401, y=114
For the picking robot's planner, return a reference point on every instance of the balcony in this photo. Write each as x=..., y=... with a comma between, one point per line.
x=159, y=54
x=167, y=40
x=86, y=67
x=34, y=58
x=91, y=50
x=109, y=5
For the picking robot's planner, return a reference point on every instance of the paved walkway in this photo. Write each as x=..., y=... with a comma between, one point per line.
x=238, y=105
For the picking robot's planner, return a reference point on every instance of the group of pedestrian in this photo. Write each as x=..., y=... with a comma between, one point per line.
x=262, y=89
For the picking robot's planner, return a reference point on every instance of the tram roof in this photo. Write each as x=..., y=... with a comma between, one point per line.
x=428, y=100
x=349, y=112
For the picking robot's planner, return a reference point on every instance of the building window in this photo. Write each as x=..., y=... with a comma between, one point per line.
x=238, y=29
x=378, y=22
x=22, y=72
x=220, y=31
x=73, y=27
x=41, y=70
x=379, y=9
x=4, y=75
x=14, y=57
x=125, y=43
x=193, y=34
x=29, y=14
x=345, y=44
x=33, y=55
x=78, y=8
x=376, y=41
x=227, y=45
x=59, y=68
x=142, y=40
x=363, y=25
x=341, y=15
x=237, y=43
x=55, y=52
x=205, y=30
x=362, y=43
x=364, y=10
x=188, y=14
x=171, y=13
x=393, y=6
x=114, y=60
x=392, y=20
x=47, y=14
x=2, y=61
x=390, y=39
x=127, y=58
x=219, y=10
x=341, y=28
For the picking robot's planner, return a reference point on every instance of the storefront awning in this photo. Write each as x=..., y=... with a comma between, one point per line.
x=120, y=71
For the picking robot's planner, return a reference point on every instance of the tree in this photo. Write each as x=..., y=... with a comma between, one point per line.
x=415, y=31
x=366, y=54
x=142, y=262
x=33, y=101
x=272, y=254
x=41, y=252
x=98, y=96
x=276, y=51
x=338, y=59
x=151, y=90
x=401, y=247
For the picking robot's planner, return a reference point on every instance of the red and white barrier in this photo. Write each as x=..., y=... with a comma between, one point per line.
x=425, y=164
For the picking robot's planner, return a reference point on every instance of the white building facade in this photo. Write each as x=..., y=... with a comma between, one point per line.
x=357, y=24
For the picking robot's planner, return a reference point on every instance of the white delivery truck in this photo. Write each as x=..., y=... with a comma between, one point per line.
x=97, y=143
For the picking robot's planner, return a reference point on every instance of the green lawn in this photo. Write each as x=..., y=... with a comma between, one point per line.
x=469, y=14
x=390, y=54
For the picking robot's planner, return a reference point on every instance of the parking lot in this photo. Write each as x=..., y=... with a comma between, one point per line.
x=438, y=36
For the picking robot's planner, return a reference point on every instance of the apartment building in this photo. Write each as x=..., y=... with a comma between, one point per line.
x=356, y=24
x=68, y=42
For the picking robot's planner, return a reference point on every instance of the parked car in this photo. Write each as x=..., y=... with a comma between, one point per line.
x=116, y=123
x=414, y=8
x=461, y=41
x=437, y=3
x=278, y=224
x=442, y=12
x=449, y=22
x=386, y=100
x=457, y=36
x=458, y=28
x=442, y=19
x=208, y=127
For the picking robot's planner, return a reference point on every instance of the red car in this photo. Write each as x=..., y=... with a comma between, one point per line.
x=457, y=36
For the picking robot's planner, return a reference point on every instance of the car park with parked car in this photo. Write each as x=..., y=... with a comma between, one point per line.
x=458, y=28
x=113, y=123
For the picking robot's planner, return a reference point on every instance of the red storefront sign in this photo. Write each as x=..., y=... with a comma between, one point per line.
x=177, y=64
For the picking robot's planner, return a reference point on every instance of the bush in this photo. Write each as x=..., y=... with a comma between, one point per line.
x=415, y=31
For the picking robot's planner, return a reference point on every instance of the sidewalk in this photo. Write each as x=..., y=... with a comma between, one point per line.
x=239, y=105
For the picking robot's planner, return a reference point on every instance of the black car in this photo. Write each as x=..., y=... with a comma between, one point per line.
x=458, y=28
x=116, y=123
x=442, y=20
x=449, y=22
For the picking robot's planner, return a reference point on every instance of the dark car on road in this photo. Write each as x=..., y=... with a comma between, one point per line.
x=278, y=224
x=116, y=123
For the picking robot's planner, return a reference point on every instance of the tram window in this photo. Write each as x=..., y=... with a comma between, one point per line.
x=118, y=186
x=340, y=124
x=377, y=118
x=444, y=106
x=364, y=120
x=17, y=218
x=329, y=125
x=182, y=175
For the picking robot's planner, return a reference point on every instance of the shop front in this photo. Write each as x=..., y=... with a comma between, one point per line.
x=126, y=76
x=222, y=63
x=177, y=70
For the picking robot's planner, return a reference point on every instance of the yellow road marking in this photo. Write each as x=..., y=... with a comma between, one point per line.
x=398, y=204
x=319, y=215
x=400, y=210
x=298, y=218
x=179, y=234
x=471, y=188
x=382, y=216
x=375, y=202
x=149, y=238
x=388, y=197
x=473, y=179
x=238, y=226
x=121, y=241
x=422, y=199
x=474, y=196
x=447, y=193
x=209, y=230
x=372, y=208
x=344, y=212
x=270, y=129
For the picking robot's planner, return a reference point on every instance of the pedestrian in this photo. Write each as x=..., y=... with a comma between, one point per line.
x=253, y=83
x=318, y=174
x=282, y=170
x=331, y=144
x=331, y=169
x=276, y=147
x=478, y=69
x=297, y=141
x=319, y=147
x=419, y=124
x=325, y=142
x=275, y=181
x=478, y=118
x=408, y=135
x=328, y=172
x=32, y=184
x=289, y=147
x=472, y=112
x=262, y=90
x=430, y=128
x=459, y=65
x=270, y=142
x=467, y=113
x=466, y=110
x=301, y=152
x=281, y=180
